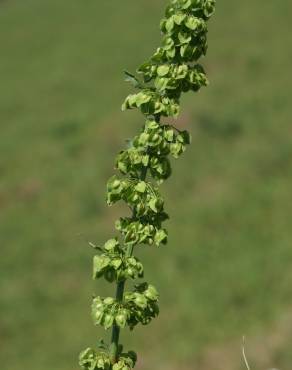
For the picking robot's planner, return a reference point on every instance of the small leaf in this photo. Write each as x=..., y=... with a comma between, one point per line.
x=116, y=263
x=186, y=4
x=132, y=99
x=121, y=318
x=182, y=71
x=140, y=300
x=88, y=359
x=171, y=52
x=142, y=98
x=168, y=43
x=192, y=22
x=169, y=134
x=108, y=321
x=143, y=138
x=187, y=138
x=184, y=38
x=141, y=187
x=163, y=70
x=151, y=293
x=160, y=237
x=169, y=24
x=161, y=83
x=178, y=18
x=99, y=264
x=145, y=160
x=153, y=204
x=151, y=125
x=176, y=149
x=97, y=318
x=111, y=244
x=108, y=301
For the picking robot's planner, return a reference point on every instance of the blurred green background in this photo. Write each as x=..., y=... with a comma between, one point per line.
x=227, y=270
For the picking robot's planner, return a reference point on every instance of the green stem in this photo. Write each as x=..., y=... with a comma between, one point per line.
x=116, y=330
x=114, y=347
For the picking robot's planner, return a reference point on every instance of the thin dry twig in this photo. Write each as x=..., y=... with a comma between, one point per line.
x=243, y=354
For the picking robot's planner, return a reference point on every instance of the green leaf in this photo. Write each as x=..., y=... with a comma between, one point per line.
x=108, y=301
x=184, y=38
x=171, y=52
x=145, y=160
x=109, y=275
x=151, y=125
x=183, y=50
x=101, y=363
x=108, y=321
x=143, y=138
x=132, y=99
x=116, y=184
x=176, y=149
x=132, y=261
x=182, y=71
x=169, y=135
x=192, y=22
x=140, y=300
x=168, y=43
x=186, y=4
x=97, y=310
x=141, y=187
x=174, y=110
x=99, y=264
x=209, y=8
x=162, y=24
x=111, y=244
x=151, y=293
x=169, y=24
x=187, y=139
x=97, y=316
x=116, y=263
x=163, y=70
x=161, y=83
x=88, y=359
x=160, y=237
x=153, y=204
x=178, y=18
x=159, y=107
x=142, y=98
x=121, y=318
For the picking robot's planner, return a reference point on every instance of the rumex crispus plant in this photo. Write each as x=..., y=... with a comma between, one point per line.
x=143, y=165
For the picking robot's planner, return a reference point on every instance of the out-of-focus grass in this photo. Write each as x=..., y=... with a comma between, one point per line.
x=227, y=268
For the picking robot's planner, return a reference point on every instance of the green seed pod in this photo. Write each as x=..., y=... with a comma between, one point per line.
x=151, y=293
x=98, y=315
x=110, y=275
x=108, y=320
x=109, y=301
x=121, y=318
x=140, y=300
x=130, y=272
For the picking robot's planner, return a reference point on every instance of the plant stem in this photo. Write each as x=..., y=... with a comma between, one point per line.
x=120, y=294
x=116, y=330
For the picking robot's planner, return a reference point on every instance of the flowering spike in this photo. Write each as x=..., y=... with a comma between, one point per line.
x=172, y=70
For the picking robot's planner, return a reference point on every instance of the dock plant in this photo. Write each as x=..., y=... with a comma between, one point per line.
x=141, y=167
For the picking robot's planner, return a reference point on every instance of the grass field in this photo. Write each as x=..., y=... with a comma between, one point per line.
x=227, y=270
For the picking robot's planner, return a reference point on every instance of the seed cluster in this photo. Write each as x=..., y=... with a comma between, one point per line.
x=172, y=70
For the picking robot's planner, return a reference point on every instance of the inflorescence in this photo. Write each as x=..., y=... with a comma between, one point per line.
x=142, y=167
